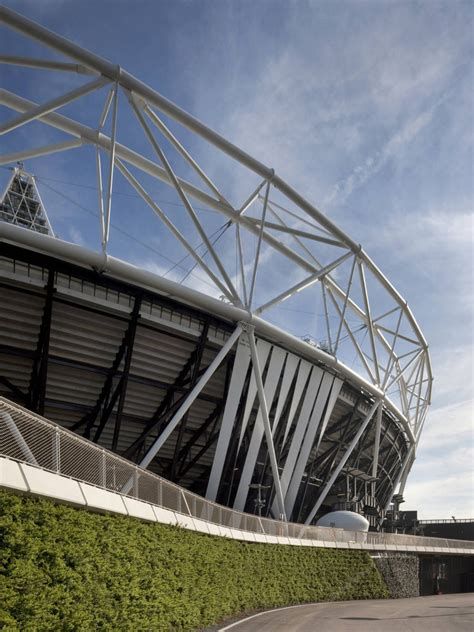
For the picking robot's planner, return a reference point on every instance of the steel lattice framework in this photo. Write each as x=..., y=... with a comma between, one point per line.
x=273, y=217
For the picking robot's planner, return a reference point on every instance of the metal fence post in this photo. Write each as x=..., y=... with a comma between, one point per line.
x=135, y=482
x=57, y=450
x=182, y=495
x=103, y=469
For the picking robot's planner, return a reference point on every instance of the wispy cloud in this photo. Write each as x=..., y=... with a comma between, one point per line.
x=374, y=162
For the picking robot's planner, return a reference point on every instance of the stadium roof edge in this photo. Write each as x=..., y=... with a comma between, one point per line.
x=122, y=270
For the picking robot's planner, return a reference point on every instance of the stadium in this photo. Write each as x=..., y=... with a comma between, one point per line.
x=213, y=389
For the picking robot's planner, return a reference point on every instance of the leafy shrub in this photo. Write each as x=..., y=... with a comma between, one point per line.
x=63, y=568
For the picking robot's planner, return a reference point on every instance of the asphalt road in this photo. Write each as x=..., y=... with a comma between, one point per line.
x=440, y=613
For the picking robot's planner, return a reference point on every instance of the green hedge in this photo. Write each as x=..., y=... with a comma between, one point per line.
x=68, y=569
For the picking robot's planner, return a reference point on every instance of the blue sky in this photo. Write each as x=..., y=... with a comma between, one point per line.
x=365, y=107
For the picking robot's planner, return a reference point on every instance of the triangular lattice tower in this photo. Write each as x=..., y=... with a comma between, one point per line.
x=21, y=203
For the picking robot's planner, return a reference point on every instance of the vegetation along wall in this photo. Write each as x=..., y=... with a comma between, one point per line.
x=69, y=569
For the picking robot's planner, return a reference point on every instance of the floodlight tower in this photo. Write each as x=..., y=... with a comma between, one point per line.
x=21, y=203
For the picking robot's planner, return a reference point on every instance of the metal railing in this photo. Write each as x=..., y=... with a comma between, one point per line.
x=445, y=521
x=29, y=438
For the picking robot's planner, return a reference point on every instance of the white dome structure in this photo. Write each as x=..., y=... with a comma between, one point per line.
x=348, y=520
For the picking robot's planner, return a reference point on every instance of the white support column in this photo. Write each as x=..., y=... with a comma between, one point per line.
x=239, y=373
x=406, y=460
x=186, y=405
x=375, y=462
x=308, y=441
x=291, y=366
x=266, y=421
x=304, y=369
x=335, y=390
x=406, y=471
x=311, y=392
x=271, y=381
x=342, y=462
x=263, y=351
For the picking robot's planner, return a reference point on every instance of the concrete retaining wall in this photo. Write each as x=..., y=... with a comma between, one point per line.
x=401, y=573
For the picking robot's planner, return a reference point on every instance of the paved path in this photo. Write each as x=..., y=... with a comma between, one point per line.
x=440, y=613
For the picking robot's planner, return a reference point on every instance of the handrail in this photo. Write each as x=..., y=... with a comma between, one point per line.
x=445, y=521
x=29, y=438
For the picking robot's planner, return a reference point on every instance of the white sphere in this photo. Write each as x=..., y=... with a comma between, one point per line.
x=348, y=520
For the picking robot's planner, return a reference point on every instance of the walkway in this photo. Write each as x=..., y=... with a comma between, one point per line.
x=441, y=613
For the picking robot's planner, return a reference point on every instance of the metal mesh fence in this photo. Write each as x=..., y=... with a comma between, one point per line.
x=31, y=439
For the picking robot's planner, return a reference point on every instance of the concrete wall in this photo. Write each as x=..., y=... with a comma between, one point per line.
x=445, y=574
x=455, y=530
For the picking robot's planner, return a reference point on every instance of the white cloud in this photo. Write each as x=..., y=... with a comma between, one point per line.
x=429, y=231
x=454, y=370
x=441, y=482
x=76, y=236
